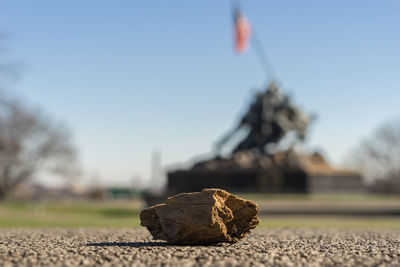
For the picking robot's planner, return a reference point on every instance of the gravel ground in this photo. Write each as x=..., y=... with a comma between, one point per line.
x=64, y=247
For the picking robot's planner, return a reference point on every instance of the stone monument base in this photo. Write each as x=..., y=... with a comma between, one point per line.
x=284, y=172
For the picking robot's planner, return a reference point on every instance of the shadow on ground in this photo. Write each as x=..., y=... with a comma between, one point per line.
x=144, y=244
x=129, y=244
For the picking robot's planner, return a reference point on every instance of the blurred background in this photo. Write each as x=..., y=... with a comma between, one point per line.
x=108, y=107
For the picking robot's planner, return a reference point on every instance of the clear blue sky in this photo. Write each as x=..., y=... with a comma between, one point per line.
x=131, y=76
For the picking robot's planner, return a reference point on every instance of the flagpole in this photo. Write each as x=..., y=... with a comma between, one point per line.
x=263, y=57
x=259, y=49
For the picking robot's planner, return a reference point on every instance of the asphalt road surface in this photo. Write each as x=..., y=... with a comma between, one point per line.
x=71, y=247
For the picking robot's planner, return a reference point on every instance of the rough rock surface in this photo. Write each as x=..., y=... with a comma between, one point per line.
x=209, y=216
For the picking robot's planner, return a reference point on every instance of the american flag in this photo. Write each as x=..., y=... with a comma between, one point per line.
x=242, y=31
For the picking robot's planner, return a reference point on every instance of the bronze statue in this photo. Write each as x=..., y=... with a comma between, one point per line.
x=263, y=159
x=270, y=117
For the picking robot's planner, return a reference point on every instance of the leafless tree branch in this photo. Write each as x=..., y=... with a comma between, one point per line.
x=29, y=141
x=379, y=158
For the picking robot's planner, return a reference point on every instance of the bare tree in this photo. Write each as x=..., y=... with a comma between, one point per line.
x=378, y=157
x=29, y=142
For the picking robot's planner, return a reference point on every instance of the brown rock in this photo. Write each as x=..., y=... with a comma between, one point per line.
x=209, y=216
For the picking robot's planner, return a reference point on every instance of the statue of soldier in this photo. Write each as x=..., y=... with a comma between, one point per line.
x=270, y=117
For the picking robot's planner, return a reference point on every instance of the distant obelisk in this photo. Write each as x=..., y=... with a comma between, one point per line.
x=156, y=181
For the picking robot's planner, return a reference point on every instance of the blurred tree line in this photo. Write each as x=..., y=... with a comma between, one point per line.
x=30, y=142
x=378, y=157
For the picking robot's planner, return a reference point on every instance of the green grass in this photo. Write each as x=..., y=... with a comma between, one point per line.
x=348, y=198
x=68, y=215
x=126, y=214
x=330, y=222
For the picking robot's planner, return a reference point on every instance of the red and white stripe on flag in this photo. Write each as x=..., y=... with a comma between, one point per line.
x=242, y=31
